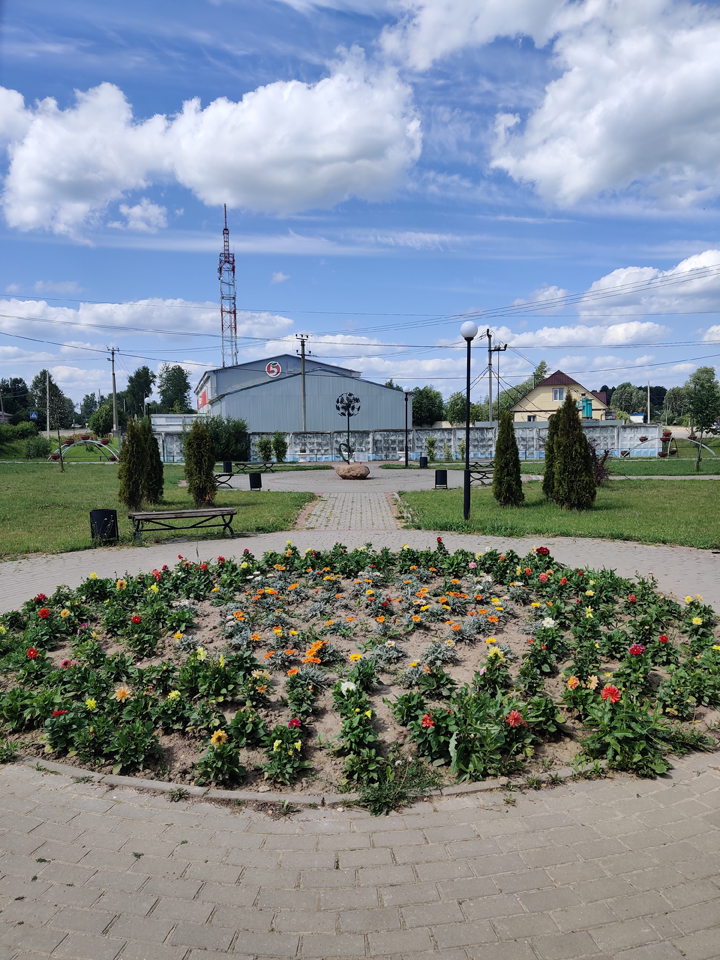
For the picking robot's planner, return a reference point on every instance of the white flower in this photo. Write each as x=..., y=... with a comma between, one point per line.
x=390, y=643
x=347, y=686
x=548, y=622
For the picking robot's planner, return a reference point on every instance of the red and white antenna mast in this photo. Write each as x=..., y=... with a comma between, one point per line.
x=228, y=308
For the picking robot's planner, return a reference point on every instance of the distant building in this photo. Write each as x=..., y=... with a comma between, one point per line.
x=267, y=394
x=549, y=395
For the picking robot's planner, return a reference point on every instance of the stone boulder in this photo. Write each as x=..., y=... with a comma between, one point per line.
x=352, y=471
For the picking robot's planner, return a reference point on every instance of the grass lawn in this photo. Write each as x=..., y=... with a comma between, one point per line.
x=684, y=466
x=684, y=513
x=45, y=511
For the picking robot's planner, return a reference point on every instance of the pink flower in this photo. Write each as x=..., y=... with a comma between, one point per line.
x=64, y=664
x=543, y=578
x=636, y=649
x=472, y=565
x=294, y=724
x=515, y=718
x=427, y=721
x=632, y=598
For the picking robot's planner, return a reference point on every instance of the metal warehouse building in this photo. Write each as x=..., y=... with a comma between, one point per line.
x=268, y=395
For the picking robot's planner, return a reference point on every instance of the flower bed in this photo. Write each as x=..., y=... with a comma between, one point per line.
x=358, y=669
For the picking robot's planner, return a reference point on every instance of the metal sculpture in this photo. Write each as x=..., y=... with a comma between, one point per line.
x=347, y=405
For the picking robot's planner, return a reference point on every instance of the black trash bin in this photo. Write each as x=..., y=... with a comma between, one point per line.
x=227, y=466
x=423, y=463
x=104, y=525
x=441, y=479
x=255, y=481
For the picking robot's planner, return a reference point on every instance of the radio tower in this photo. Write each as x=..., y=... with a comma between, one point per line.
x=228, y=309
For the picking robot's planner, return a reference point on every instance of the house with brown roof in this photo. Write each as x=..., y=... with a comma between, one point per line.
x=549, y=395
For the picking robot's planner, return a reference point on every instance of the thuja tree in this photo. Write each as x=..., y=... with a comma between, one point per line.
x=154, y=481
x=279, y=445
x=549, y=477
x=133, y=467
x=200, y=465
x=574, y=485
x=507, y=482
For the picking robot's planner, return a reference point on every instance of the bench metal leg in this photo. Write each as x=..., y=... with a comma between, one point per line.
x=137, y=527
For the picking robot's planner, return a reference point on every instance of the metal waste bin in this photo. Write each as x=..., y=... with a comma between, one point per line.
x=441, y=480
x=423, y=463
x=227, y=466
x=255, y=481
x=104, y=525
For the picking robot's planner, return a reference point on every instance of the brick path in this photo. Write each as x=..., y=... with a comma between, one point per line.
x=352, y=510
x=622, y=869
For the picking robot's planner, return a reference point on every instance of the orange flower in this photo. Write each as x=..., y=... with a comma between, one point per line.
x=380, y=619
x=415, y=619
x=349, y=619
x=338, y=596
x=457, y=626
x=255, y=636
x=493, y=619
x=293, y=586
x=292, y=672
x=573, y=683
x=484, y=610
x=291, y=653
x=268, y=655
x=442, y=600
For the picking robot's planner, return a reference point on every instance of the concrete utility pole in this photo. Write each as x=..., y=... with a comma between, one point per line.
x=648, y=415
x=47, y=404
x=302, y=337
x=116, y=427
x=490, y=353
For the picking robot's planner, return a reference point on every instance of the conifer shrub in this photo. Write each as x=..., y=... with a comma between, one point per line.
x=574, y=484
x=279, y=445
x=200, y=466
x=154, y=482
x=507, y=482
x=133, y=467
x=549, y=477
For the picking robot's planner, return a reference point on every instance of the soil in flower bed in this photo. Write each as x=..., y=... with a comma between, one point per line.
x=348, y=670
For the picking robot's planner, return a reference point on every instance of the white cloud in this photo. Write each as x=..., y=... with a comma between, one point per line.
x=53, y=286
x=692, y=285
x=12, y=288
x=284, y=147
x=432, y=29
x=279, y=277
x=144, y=217
x=712, y=335
x=625, y=334
x=636, y=112
x=543, y=295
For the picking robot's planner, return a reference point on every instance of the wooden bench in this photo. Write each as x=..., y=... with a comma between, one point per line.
x=245, y=466
x=482, y=473
x=159, y=519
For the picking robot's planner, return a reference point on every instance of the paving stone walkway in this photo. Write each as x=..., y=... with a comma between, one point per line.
x=353, y=510
x=617, y=868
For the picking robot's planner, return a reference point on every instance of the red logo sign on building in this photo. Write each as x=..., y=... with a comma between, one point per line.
x=202, y=400
x=273, y=369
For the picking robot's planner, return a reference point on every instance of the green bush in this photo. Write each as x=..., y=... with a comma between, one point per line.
x=133, y=467
x=229, y=437
x=507, y=482
x=430, y=445
x=18, y=431
x=574, y=485
x=37, y=448
x=264, y=448
x=279, y=445
x=200, y=466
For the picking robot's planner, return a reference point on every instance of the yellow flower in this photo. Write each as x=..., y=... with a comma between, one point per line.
x=698, y=597
x=95, y=635
x=243, y=565
x=518, y=571
x=298, y=744
x=592, y=682
x=153, y=588
x=222, y=660
x=688, y=599
x=535, y=604
x=716, y=646
x=697, y=621
x=218, y=737
x=425, y=607
x=293, y=633
x=592, y=583
x=277, y=631
x=121, y=584
x=179, y=635
x=496, y=652
x=491, y=640
x=355, y=657
x=214, y=589
x=93, y=576
x=174, y=695
x=589, y=613
x=122, y=693
x=65, y=614
x=90, y=703
x=201, y=653
x=368, y=714
x=414, y=663
x=589, y=593
x=277, y=745
x=3, y=631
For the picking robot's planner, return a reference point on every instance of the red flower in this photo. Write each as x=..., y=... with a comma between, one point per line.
x=427, y=722
x=563, y=581
x=631, y=598
x=246, y=552
x=384, y=603
x=59, y=713
x=611, y=693
x=40, y=598
x=636, y=649
x=179, y=556
x=543, y=551
x=515, y=718
x=580, y=572
x=32, y=653
x=294, y=724
x=136, y=619
x=203, y=566
x=157, y=574
x=662, y=638
x=43, y=613
x=543, y=578
x=165, y=566
x=221, y=559
x=528, y=571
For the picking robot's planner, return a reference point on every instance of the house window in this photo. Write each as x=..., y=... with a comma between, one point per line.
x=532, y=418
x=559, y=393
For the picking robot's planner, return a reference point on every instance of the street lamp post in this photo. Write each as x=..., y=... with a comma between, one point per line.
x=407, y=395
x=468, y=331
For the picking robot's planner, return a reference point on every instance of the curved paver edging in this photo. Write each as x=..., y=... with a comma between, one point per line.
x=300, y=799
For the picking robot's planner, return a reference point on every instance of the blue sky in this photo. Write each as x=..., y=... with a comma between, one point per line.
x=548, y=167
